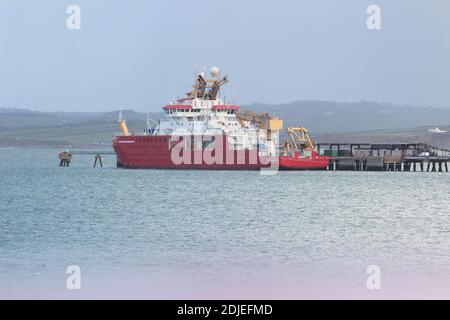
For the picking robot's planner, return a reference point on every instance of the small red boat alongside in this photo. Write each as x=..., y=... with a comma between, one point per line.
x=201, y=131
x=304, y=163
x=300, y=152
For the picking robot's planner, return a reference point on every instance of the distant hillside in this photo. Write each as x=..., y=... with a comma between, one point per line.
x=20, y=118
x=331, y=121
x=333, y=117
x=30, y=128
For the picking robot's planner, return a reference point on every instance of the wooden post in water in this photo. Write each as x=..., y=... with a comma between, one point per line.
x=98, y=157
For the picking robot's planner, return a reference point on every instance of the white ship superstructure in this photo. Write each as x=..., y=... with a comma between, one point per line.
x=203, y=112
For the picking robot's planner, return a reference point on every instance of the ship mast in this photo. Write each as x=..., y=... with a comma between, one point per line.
x=123, y=124
x=208, y=89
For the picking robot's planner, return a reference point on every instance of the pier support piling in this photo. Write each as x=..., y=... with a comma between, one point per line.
x=66, y=156
x=64, y=159
x=98, y=158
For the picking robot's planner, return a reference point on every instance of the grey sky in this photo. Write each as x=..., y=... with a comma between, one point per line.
x=141, y=54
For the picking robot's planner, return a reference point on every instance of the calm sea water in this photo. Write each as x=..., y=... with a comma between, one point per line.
x=214, y=234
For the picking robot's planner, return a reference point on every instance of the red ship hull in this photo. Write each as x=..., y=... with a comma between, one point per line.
x=155, y=152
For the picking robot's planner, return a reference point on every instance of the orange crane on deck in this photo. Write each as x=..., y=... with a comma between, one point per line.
x=300, y=140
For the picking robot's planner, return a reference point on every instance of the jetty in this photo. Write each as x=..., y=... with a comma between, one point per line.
x=403, y=157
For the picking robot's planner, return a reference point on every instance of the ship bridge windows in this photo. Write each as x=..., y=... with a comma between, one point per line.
x=225, y=111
